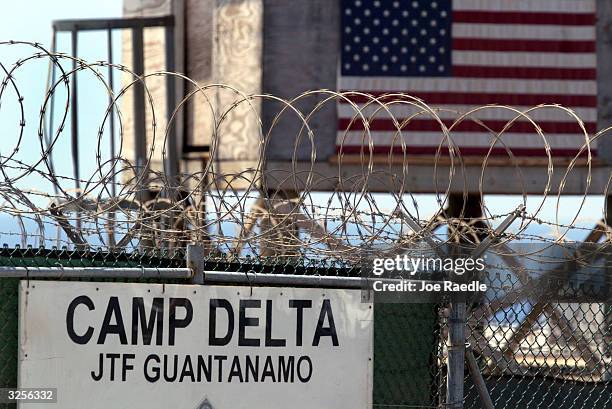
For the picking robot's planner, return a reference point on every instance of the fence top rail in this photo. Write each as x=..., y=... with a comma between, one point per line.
x=112, y=23
x=210, y=277
x=94, y=272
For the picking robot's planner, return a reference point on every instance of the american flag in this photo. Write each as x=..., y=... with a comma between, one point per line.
x=457, y=55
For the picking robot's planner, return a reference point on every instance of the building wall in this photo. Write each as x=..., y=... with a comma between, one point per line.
x=301, y=44
x=284, y=48
x=221, y=43
x=604, y=79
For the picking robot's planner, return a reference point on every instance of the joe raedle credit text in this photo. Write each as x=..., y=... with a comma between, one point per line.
x=396, y=274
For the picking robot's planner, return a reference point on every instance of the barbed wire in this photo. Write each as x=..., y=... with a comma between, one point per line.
x=122, y=203
x=299, y=213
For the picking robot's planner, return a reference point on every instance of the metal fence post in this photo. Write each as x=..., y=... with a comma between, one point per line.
x=456, y=356
x=195, y=262
x=140, y=126
x=172, y=156
x=457, y=324
x=481, y=386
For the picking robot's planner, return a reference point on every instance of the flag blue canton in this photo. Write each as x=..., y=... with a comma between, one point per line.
x=396, y=38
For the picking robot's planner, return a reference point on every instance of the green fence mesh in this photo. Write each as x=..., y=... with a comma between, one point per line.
x=405, y=355
x=8, y=332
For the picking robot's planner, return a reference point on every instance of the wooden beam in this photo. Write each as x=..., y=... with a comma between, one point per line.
x=413, y=178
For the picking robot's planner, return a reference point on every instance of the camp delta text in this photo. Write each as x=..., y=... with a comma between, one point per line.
x=241, y=340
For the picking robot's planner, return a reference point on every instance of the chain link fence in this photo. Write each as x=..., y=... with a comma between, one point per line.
x=533, y=355
x=537, y=352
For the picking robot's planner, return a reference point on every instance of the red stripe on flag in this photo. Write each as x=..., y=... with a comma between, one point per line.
x=505, y=17
x=540, y=73
x=431, y=125
x=459, y=98
x=464, y=150
x=480, y=44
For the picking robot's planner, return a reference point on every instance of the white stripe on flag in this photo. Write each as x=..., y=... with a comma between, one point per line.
x=401, y=111
x=468, y=85
x=519, y=59
x=476, y=139
x=547, y=6
x=523, y=32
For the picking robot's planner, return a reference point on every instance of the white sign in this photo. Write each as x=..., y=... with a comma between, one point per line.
x=131, y=346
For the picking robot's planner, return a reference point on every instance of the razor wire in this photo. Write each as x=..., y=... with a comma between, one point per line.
x=143, y=206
